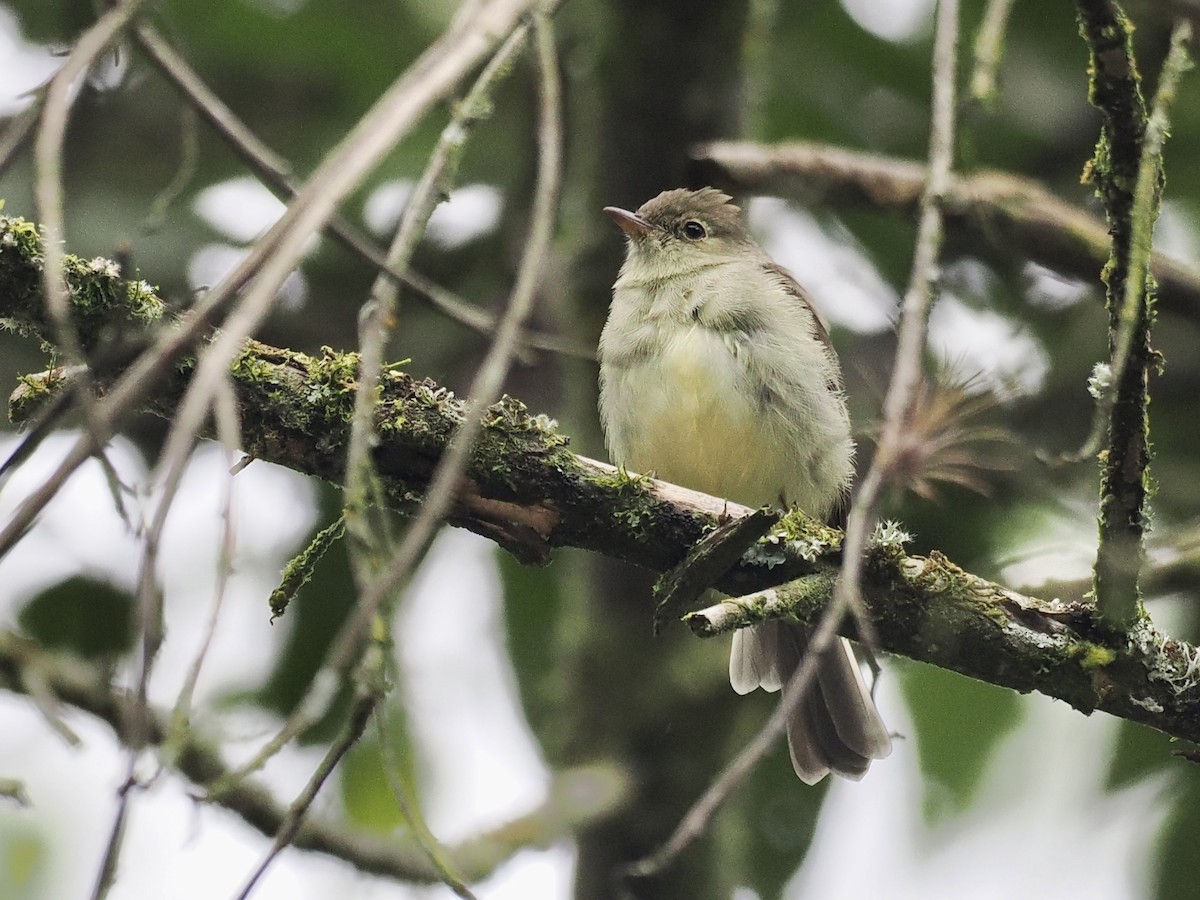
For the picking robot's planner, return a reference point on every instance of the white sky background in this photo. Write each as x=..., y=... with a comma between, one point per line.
x=1060, y=835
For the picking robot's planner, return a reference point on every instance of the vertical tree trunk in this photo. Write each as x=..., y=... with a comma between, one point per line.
x=667, y=75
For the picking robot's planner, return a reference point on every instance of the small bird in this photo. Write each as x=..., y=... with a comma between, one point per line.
x=717, y=374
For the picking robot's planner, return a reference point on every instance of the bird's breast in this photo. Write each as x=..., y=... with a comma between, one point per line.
x=688, y=413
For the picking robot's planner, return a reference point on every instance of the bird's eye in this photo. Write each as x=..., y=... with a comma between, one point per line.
x=693, y=230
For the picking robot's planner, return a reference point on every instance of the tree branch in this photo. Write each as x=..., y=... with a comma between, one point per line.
x=1128, y=176
x=1004, y=213
x=525, y=490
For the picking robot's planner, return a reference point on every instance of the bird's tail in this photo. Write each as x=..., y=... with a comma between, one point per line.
x=837, y=727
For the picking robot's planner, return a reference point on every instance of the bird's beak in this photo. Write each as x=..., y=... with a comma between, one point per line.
x=632, y=224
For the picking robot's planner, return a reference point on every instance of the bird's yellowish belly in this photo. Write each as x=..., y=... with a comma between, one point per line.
x=694, y=427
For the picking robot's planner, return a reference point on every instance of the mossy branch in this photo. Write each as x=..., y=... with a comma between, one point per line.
x=524, y=489
x=1127, y=173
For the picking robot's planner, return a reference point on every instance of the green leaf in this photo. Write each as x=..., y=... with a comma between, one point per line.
x=368, y=797
x=90, y=618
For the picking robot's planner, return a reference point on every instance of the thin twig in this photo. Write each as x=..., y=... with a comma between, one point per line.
x=410, y=809
x=288, y=829
x=275, y=255
x=48, y=178
x=378, y=315
x=277, y=175
x=397, y=111
x=85, y=687
x=150, y=596
x=488, y=380
x=907, y=370
x=107, y=875
x=229, y=431
x=484, y=391
x=989, y=45
x=696, y=821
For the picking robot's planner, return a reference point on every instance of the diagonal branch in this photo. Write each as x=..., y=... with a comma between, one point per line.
x=1004, y=215
x=276, y=173
x=428, y=80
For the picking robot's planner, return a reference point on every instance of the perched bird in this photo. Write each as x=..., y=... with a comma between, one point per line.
x=717, y=374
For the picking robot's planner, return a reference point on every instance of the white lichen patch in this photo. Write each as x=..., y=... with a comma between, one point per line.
x=889, y=535
x=1100, y=383
x=106, y=267
x=1174, y=663
x=767, y=552
x=1147, y=703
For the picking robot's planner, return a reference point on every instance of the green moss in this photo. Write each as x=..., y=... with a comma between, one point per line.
x=25, y=402
x=100, y=298
x=1093, y=656
x=633, y=504
x=299, y=570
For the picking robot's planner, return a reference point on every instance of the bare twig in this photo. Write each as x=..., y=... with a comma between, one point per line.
x=695, y=822
x=360, y=714
x=48, y=177
x=989, y=45
x=378, y=315
x=1003, y=214
x=486, y=385
x=276, y=254
x=107, y=875
x=484, y=390
x=364, y=513
x=907, y=371
x=278, y=176
x=411, y=811
x=229, y=430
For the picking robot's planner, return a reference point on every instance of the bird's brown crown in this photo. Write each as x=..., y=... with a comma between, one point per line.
x=671, y=210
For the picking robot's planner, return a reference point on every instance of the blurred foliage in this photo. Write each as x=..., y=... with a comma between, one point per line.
x=366, y=787
x=23, y=860
x=83, y=616
x=592, y=681
x=977, y=715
